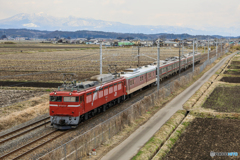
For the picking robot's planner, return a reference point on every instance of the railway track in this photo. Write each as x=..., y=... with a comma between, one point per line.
x=23, y=130
x=33, y=145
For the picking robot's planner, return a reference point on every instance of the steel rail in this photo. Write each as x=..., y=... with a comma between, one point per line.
x=23, y=127
x=32, y=142
x=22, y=133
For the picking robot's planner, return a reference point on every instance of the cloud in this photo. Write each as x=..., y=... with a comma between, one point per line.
x=110, y=2
x=31, y=25
x=121, y=12
x=58, y=1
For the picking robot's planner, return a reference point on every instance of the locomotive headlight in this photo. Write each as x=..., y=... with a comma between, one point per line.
x=55, y=92
x=70, y=94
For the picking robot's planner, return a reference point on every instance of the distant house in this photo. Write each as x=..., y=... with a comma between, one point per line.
x=146, y=43
x=92, y=41
x=170, y=44
x=107, y=43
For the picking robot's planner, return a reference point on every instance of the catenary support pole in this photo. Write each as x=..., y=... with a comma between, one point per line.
x=100, y=57
x=179, y=61
x=158, y=59
x=193, y=57
x=138, y=55
x=216, y=47
x=208, y=48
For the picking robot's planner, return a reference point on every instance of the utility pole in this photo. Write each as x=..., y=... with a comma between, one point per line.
x=216, y=47
x=204, y=48
x=179, y=61
x=138, y=54
x=221, y=47
x=100, y=57
x=208, y=49
x=158, y=59
x=196, y=45
x=193, y=56
x=182, y=47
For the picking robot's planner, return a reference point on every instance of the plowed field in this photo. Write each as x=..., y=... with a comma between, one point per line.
x=205, y=135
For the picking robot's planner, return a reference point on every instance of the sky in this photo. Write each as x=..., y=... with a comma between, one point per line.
x=197, y=14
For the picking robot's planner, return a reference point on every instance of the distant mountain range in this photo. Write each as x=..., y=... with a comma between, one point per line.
x=45, y=26
x=96, y=34
x=46, y=22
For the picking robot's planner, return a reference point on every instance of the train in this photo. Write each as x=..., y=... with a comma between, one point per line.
x=74, y=103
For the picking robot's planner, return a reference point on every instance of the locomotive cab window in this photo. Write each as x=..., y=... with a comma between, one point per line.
x=71, y=99
x=56, y=98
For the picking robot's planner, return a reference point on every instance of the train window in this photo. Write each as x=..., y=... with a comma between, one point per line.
x=115, y=88
x=106, y=87
x=56, y=98
x=119, y=86
x=89, y=93
x=119, y=82
x=89, y=98
x=111, y=85
x=70, y=99
x=94, y=91
x=115, y=83
x=149, y=75
x=105, y=92
x=110, y=90
x=131, y=82
x=100, y=89
x=100, y=94
x=81, y=99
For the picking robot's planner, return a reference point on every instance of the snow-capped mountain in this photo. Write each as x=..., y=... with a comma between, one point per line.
x=42, y=21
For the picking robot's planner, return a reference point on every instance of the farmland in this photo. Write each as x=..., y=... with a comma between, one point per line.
x=224, y=99
x=46, y=63
x=204, y=135
x=9, y=97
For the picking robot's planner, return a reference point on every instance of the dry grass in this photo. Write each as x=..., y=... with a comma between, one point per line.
x=24, y=111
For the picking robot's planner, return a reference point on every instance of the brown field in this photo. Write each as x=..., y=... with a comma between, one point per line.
x=224, y=99
x=205, y=135
x=230, y=79
x=41, y=62
x=9, y=97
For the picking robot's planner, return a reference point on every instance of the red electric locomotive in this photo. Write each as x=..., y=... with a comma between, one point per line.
x=77, y=102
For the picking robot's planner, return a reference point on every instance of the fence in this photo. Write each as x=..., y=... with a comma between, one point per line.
x=81, y=145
